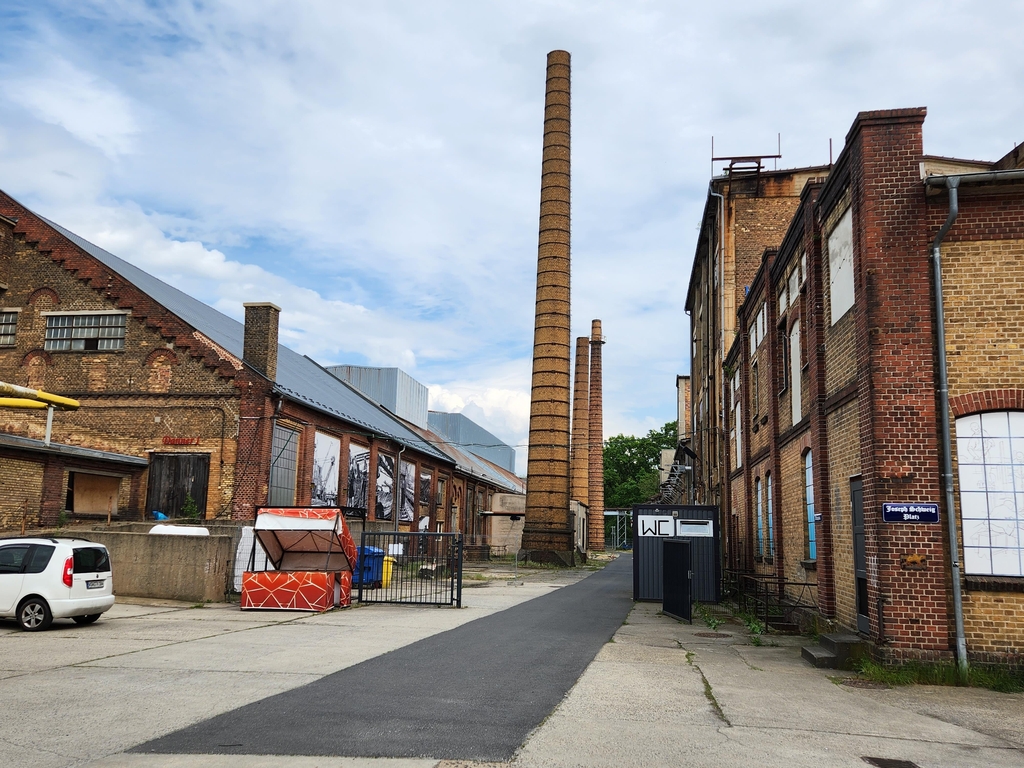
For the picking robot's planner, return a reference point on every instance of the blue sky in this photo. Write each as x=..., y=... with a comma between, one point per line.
x=374, y=167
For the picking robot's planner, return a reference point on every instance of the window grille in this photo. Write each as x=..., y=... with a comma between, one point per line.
x=84, y=332
x=8, y=325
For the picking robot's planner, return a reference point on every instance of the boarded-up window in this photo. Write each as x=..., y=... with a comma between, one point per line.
x=94, y=494
x=326, y=457
x=358, y=476
x=283, y=463
x=840, y=266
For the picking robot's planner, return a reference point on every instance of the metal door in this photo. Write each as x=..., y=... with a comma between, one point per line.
x=173, y=477
x=677, y=577
x=860, y=562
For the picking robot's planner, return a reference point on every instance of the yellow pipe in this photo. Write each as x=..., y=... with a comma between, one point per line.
x=21, y=402
x=14, y=391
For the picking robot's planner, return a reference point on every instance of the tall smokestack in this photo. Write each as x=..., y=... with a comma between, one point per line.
x=547, y=531
x=595, y=515
x=579, y=458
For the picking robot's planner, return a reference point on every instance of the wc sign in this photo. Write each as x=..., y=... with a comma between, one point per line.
x=666, y=526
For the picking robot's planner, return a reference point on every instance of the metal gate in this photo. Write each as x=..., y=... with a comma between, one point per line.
x=410, y=568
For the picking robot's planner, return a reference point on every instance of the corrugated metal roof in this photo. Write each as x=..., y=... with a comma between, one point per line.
x=74, y=451
x=298, y=377
x=474, y=466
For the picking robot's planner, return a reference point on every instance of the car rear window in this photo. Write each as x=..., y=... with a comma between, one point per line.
x=12, y=558
x=39, y=558
x=90, y=559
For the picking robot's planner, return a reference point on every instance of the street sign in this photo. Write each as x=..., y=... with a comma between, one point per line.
x=910, y=513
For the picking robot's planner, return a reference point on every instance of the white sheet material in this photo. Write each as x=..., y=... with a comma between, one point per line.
x=179, y=530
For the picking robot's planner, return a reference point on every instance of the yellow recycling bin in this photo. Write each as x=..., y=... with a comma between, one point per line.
x=385, y=576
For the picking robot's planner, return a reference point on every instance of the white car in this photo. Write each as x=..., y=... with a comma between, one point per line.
x=45, y=579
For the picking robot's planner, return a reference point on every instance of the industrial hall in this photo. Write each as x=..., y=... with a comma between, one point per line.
x=858, y=391
x=185, y=411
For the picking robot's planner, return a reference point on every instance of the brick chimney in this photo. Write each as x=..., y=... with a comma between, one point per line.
x=260, y=347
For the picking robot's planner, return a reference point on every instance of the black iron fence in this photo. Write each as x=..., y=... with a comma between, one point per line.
x=773, y=600
x=409, y=568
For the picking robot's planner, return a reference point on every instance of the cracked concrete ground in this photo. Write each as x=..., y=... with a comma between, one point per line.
x=660, y=694
x=79, y=696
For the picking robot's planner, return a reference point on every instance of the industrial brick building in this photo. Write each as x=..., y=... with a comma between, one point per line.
x=183, y=408
x=834, y=446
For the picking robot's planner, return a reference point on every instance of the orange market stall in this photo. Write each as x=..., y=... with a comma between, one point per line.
x=310, y=557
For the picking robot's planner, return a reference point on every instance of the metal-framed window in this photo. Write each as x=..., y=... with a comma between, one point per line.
x=760, y=517
x=770, y=544
x=283, y=465
x=8, y=327
x=990, y=455
x=812, y=539
x=101, y=332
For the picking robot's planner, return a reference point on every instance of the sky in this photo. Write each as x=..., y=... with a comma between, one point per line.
x=374, y=168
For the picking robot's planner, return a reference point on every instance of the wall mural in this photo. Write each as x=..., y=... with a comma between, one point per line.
x=358, y=476
x=385, y=486
x=326, y=465
x=408, y=481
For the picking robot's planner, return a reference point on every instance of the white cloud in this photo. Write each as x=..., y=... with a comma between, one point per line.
x=374, y=168
x=88, y=107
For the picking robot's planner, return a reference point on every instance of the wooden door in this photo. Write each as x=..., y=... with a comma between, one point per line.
x=173, y=477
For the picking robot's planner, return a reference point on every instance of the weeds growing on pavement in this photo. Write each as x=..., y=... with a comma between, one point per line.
x=713, y=622
x=921, y=673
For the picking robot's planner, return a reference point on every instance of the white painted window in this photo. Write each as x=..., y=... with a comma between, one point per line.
x=840, y=266
x=990, y=454
x=794, y=285
x=737, y=425
x=812, y=538
x=794, y=372
x=783, y=301
x=758, y=328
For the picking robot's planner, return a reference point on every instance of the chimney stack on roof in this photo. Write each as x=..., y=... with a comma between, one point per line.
x=260, y=346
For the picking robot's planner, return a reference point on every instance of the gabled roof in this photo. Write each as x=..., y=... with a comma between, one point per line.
x=298, y=378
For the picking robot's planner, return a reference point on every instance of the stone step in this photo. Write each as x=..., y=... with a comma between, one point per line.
x=846, y=647
x=785, y=627
x=819, y=657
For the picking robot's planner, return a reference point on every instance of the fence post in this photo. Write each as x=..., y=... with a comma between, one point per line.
x=458, y=600
x=359, y=557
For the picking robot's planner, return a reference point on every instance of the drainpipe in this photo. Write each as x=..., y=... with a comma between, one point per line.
x=952, y=183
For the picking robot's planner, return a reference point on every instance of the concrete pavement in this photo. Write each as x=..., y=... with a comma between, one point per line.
x=659, y=693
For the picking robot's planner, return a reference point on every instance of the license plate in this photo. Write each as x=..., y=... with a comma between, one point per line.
x=94, y=584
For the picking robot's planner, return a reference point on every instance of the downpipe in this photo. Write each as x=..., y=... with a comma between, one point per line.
x=952, y=184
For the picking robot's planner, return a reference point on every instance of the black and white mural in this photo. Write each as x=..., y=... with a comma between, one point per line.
x=358, y=476
x=407, y=511
x=326, y=460
x=385, y=486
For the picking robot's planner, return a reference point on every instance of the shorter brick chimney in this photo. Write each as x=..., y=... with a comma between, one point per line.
x=260, y=347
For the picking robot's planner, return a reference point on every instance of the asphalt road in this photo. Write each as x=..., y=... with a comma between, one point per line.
x=472, y=693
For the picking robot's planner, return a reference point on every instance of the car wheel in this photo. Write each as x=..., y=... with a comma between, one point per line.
x=34, y=614
x=86, y=619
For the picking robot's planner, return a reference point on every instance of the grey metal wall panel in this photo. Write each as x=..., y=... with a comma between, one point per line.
x=411, y=399
x=465, y=432
x=705, y=553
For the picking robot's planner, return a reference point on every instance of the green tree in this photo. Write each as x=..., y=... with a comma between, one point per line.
x=631, y=466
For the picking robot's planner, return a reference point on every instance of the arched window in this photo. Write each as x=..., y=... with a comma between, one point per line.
x=812, y=540
x=768, y=508
x=990, y=454
x=759, y=550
